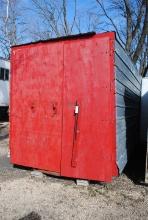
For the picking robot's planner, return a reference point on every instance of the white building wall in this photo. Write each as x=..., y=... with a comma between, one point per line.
x=4, y=85
x=144, y=109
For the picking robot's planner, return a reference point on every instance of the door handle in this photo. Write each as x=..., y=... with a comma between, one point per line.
x=76, y=114
x=75, y=133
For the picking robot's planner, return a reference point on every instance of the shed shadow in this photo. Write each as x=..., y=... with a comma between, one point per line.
x=31, y=216
x=136, y=150
x=4, y=137
x=4, y=114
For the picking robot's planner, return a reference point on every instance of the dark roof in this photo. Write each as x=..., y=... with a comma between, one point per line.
x=76, y=36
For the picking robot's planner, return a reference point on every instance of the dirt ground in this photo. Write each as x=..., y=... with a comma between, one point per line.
x=24, y=197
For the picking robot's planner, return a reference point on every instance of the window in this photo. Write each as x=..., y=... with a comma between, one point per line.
x=2, y=74
x=6, y=74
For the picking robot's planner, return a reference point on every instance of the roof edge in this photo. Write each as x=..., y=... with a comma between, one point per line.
x=75, y=36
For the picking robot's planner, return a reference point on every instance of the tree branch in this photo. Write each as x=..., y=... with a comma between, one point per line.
x=65, y=17
x=110, y=19
x=144, y=63
x=129, y=26
x=75, y=15
x=144, y=33
x=139, y=18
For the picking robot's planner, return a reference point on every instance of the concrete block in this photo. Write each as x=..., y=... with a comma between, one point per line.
x=36, y=173
x=82, y=182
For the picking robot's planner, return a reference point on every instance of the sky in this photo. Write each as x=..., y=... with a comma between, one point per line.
x=32, y=23
x=82, y=6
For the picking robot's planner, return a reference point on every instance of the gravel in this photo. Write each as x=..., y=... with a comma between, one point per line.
x=24, y=196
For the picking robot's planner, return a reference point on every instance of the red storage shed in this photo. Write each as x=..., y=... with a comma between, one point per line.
x=74, y=106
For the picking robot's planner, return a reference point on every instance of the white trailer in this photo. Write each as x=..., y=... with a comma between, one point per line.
x=4, y=82
x=144, y=121
x=144, y=109
x=4, y=88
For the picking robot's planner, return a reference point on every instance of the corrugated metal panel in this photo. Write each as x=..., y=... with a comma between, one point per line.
x=126, y=72
x=125, y=58
x=128, y=91
x=121, y=88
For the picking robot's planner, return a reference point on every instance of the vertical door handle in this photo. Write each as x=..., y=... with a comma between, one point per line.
x=76, y=114
x=74, y=150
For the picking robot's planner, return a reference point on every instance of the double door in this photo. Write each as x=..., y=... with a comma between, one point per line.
x=59, y=103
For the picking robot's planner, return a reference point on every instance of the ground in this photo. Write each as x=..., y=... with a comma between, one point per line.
x=24, y=196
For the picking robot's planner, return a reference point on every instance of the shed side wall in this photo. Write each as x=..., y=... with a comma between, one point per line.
x=128, y=92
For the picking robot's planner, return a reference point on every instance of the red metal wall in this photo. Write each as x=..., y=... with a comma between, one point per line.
x=48, y=79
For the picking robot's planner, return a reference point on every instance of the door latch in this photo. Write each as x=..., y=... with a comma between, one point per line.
x=76, y=109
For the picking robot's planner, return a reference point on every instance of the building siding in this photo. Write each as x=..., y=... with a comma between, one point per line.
x=128, y=92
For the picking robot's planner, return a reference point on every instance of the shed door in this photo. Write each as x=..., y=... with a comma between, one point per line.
x=36, y=106
x=86, y=148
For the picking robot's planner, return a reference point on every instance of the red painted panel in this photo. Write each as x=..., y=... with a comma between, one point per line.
x=36, y=106
x=87, y=81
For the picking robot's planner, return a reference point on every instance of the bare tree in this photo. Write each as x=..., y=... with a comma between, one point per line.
x=10, y=22
x=55, y=17
x=130, y=21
